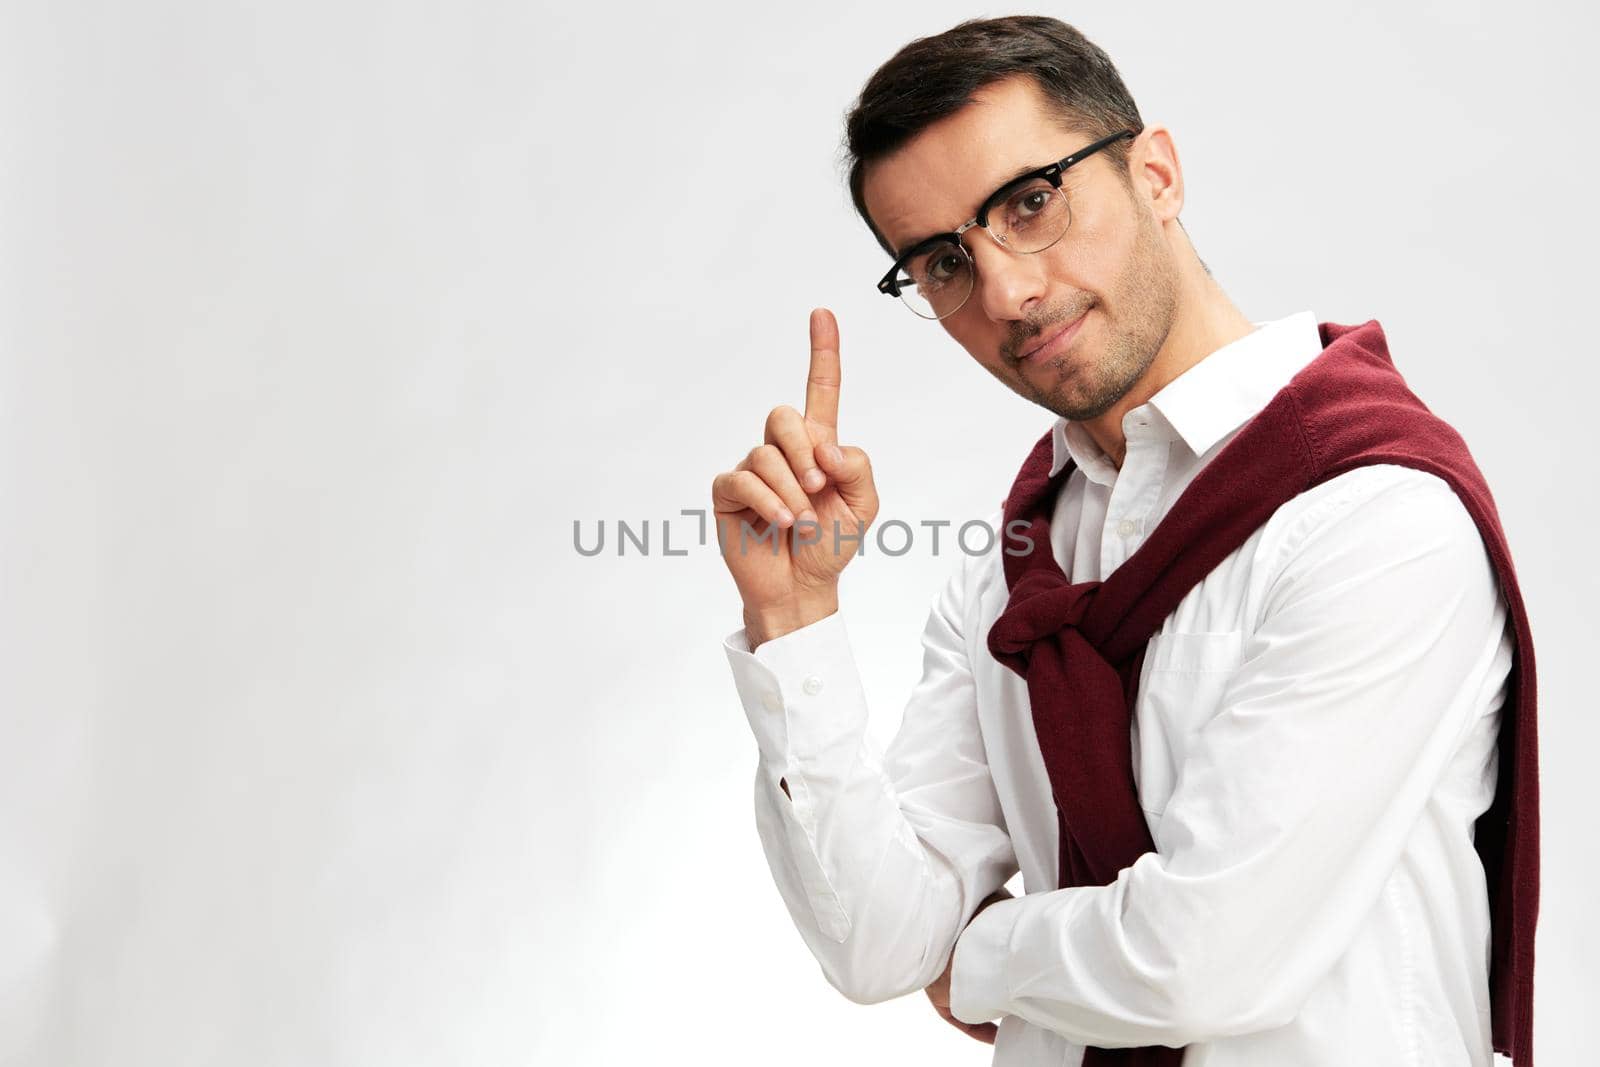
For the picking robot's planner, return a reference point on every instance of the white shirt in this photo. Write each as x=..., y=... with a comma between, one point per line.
x=1313, y=737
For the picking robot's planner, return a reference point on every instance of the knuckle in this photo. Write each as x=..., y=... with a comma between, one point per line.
x=780, y=415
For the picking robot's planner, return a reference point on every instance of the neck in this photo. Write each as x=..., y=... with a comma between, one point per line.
x=1205, y=320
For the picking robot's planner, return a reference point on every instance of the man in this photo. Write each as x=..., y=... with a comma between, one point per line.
x=1316, y=720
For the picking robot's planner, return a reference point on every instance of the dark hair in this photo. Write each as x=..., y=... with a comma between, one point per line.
x=936, y=76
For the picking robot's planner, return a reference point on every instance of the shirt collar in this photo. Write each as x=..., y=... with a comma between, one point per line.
x=1212, y=398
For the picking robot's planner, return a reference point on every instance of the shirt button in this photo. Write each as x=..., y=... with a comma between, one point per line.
x=772, y=703
x=812, y=686
x=1126, y=527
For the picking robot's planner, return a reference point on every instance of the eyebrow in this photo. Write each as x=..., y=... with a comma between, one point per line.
x=1019, y=172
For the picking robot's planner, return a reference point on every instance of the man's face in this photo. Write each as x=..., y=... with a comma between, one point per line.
x=1113, y=265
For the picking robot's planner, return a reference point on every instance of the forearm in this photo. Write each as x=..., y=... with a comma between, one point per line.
x=1142, y=961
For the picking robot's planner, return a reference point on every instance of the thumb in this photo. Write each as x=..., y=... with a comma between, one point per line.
x=848, y=468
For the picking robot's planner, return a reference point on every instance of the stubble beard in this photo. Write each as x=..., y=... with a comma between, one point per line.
x=1147, y=298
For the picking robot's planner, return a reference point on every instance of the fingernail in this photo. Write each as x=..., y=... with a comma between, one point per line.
x=833, y=453
x=814, y=479
x=785, y=517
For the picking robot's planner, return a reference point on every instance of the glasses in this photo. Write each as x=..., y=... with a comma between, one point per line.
x=934, y=277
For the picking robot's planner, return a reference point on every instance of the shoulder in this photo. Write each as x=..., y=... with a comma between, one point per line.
x=975, y=572
x=1374, y=498
x=1374, y=521
x=979, y=557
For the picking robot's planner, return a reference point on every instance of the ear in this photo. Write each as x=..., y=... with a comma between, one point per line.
x=1157, y=174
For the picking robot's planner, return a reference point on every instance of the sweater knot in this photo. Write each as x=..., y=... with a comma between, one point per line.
x=1042, y=604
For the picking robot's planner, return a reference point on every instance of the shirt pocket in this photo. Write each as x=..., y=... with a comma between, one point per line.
x=1180, y=690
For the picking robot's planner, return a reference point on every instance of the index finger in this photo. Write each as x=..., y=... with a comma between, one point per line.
x=822, y=383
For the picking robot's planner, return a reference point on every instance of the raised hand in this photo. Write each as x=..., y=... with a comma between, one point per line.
x=793, y=488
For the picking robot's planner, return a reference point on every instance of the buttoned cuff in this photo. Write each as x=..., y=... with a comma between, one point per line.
x=801, y=692
x=979, y=992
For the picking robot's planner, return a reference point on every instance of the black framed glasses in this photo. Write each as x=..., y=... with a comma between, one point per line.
x=935, y=276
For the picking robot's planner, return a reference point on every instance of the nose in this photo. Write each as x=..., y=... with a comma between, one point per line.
x=1008, y=283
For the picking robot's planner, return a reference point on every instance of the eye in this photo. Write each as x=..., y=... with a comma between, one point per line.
x=1033, y=201
x=946, y=265
x=1028, y=202
x=938, y=266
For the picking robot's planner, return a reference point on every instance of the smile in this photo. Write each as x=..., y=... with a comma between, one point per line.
x=1056, y=343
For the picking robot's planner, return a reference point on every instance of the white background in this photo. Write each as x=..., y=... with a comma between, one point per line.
x=320, y=324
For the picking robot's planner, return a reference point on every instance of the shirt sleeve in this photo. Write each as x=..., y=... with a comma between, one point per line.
x=1377, y=633
x=879, y=857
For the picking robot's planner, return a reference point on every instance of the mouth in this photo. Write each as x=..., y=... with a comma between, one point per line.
x=1055, y=344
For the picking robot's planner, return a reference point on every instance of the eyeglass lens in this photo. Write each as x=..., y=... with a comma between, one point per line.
x=1030, y=218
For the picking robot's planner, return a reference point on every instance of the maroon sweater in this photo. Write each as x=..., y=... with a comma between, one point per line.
x=1347, y=408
